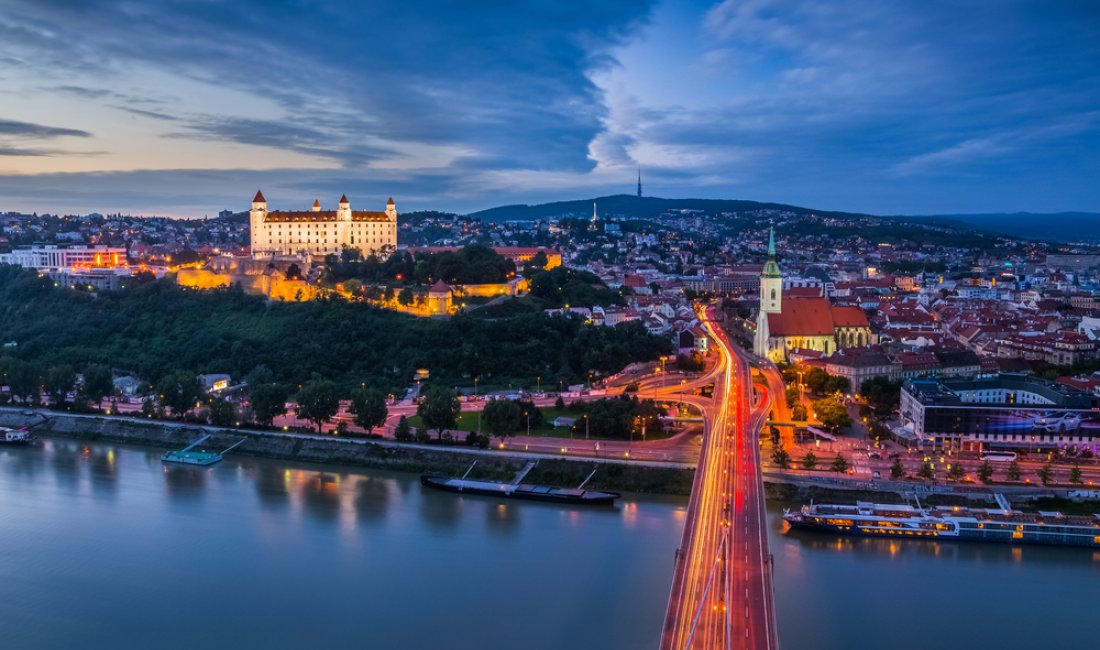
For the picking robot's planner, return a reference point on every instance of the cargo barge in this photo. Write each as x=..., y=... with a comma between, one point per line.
x=573, y=496
x=949, y=523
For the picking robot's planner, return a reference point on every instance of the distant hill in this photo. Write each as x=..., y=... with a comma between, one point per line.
x=626, y=204
x=1052, y=226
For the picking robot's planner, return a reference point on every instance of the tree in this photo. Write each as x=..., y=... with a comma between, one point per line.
x=502, y=417
x=317, y=401
x=268, y=402
x=832, y=413
x=405, y=297
x=985, y=472
x=1075, y=475
x=98, y=383
x=222, y=413
x=59, y=381
x=1014, y=471
x=148, y=407
x=1046, y=474
x=439, y=409
x=179, y=390
x=809, y=461
x=293, y=272
x=781, y=458
x=798, y=412
x=402, y=432
x=956, y=472
x=25, y=380
x=926, y=471
x=792, y=396
x=897, y=470
x=882, y=394
x=840, y=464
x=775, y=437
x=369, y=407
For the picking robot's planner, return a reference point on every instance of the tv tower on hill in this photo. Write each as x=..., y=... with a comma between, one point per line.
x=639, y=182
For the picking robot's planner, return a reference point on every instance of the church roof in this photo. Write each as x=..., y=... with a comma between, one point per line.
x=813, y=317
x=849, y=317
x=259, y=198
x=802, y=317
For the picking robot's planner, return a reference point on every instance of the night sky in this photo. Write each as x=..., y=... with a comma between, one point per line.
x=186, y=108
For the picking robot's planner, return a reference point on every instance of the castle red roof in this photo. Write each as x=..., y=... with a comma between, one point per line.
x=390, y=202
x=440, y=287
x=343, y=198
x=316, y=203
x=259, y=198
x=321, y=215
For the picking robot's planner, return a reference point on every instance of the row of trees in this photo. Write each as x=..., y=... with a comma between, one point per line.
x=474, y=264
x=27, y=380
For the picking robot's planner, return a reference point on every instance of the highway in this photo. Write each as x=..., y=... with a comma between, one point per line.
x=721, y=593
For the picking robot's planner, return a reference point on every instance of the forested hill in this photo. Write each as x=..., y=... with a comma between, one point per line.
x=158, y=327
x=628, y=205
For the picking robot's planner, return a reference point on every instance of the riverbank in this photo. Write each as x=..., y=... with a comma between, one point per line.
x=611, y=474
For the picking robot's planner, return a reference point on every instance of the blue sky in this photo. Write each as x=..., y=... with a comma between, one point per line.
x=889, y=107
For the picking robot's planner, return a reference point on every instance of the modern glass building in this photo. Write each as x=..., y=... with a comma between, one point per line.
x=1002, y=412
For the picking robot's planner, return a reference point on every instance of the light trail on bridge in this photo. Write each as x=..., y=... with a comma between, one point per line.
x=721, y=592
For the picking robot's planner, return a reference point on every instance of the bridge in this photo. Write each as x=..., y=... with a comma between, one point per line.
x=722, y=585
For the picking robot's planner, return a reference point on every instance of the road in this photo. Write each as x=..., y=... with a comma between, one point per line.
x=721, y=593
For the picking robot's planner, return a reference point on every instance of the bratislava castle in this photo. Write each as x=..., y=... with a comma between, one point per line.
x=320, y=232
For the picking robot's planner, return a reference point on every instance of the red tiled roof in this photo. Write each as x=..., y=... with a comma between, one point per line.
x=316, y=203
x=321, y=215
x=390, y=202
x=634, y=281
x=440, y=287
x=849, y=317
x=802, y=317
x=802, y=292
x=259, y=198
x=343, y=198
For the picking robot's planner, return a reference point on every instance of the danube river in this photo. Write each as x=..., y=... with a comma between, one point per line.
x=103, y=546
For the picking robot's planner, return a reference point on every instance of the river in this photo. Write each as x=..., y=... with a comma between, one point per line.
x=104, y=546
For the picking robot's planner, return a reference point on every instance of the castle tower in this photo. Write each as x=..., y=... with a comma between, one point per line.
x=391, y=210
x=316, y=205
x=343, y=211
x=255, y=222
x=771, y=282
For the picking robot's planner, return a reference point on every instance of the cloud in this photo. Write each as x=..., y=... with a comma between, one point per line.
x=27, y=129
x=879, y=106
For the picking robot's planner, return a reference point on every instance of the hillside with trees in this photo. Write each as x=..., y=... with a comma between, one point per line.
x=158, y=327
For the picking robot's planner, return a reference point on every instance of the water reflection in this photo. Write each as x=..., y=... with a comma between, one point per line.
x=183, y=483
x=504, y=517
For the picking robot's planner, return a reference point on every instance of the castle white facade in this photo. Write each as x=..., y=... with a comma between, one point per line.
x=320, y=232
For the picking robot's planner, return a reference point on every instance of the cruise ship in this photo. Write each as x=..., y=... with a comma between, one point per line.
x=949, y=523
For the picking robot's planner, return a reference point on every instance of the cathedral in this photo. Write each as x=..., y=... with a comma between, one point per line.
x=806, y=323
x=320, y=232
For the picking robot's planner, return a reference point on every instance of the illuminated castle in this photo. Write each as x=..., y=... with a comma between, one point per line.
x=320, y=232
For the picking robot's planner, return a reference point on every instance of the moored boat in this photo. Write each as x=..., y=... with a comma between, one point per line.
x=15, y=436
x=949, y=523
x=520, y=491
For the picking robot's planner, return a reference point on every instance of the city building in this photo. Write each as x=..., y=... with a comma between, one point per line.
x=1001, y=412
x=320, y=232
x=808, y=323
x=102, y=268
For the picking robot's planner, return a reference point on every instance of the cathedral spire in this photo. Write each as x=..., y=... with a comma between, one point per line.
x=771, y=242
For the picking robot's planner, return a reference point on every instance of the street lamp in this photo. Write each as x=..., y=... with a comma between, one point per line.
x=585, y=416
x=527, y=415
x=538, y=380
